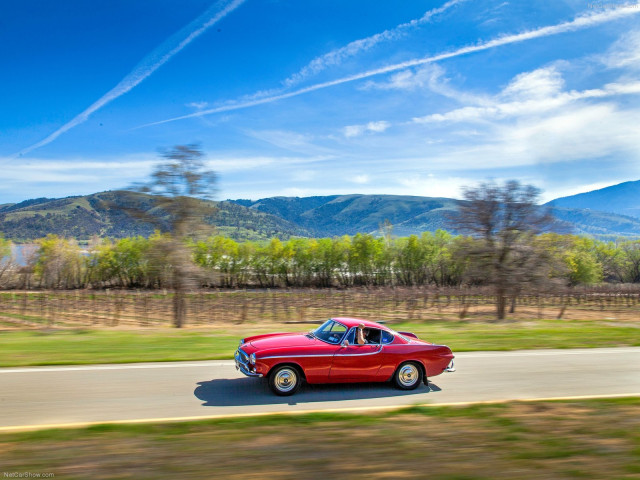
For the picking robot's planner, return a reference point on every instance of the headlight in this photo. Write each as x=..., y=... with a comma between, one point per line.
x=252, y=358
x=241, y=342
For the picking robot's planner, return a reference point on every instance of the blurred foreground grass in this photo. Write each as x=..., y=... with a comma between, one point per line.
x=598, y=439
x=91, y=346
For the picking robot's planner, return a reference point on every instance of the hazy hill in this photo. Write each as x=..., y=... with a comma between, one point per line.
x=102, y=215
x=595, y=223
x=85, y=216
x=623, y=199
x=350, y=214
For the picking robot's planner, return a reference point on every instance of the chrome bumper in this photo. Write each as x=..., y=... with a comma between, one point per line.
x=450, y=367
x=244, y=366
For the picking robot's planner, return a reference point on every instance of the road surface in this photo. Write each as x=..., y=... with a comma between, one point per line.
x=38, y=396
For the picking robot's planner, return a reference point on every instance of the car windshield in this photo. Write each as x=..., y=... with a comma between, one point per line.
x=330, y=332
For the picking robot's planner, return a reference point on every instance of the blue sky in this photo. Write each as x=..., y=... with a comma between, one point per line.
x=320, y=97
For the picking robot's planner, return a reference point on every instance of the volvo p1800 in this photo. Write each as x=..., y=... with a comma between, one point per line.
x=342, y=350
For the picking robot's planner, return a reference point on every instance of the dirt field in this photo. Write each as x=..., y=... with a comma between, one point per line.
x=97, y=309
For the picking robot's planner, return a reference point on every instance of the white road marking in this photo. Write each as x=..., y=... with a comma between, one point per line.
x=548, y=353
x=24, y=428
x=115, y=367
x=216, y=363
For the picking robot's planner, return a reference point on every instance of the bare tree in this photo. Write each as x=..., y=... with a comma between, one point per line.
x=180, y=187
x=504, y=219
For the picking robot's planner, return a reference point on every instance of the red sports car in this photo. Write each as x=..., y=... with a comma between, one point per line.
x=342, y=350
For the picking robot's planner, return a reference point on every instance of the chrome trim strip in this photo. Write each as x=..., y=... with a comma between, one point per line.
x=357, y=354
x=295, y=356
x=325, y=355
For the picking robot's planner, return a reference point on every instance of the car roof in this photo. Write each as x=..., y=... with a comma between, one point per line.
x=354, y=322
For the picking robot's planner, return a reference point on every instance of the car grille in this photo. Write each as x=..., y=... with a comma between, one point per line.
x=243, y=356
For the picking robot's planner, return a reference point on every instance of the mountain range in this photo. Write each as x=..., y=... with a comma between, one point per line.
x=606, y=213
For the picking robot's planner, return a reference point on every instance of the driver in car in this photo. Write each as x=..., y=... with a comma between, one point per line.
x=361, y=335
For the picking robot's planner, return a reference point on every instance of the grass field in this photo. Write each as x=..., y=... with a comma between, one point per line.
x=92, y=346
x=596, y=439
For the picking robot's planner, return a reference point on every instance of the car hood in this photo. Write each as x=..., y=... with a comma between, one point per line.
x=283, y=340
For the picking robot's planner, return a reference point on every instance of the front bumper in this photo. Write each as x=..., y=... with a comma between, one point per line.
x=243, y=365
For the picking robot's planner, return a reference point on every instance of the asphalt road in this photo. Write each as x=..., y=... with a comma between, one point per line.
x=102, y=393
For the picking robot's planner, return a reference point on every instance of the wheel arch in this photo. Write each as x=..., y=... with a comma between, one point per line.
x=418, y=362
x=288, y=363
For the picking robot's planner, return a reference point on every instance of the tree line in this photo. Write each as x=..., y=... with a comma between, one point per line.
x=437, y=259
x=505, y=247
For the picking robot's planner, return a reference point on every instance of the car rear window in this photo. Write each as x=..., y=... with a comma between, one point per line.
x=387, y=337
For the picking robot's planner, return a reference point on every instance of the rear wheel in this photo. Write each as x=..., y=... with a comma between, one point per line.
x=408, y=376
x=285, y=380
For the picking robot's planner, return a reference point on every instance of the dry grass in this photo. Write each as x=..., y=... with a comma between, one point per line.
x=588, y=439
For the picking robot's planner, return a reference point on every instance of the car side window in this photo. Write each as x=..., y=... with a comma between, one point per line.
x=351, y=336
x=373, y=336
x=386, y=337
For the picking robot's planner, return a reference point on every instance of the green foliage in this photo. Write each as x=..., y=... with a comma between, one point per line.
x=60, y=263
x=582, y=261
x=6, y=260
x=5, y=247
x=439, y=259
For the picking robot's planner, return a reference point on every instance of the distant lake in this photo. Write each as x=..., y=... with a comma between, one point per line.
x=22, y=252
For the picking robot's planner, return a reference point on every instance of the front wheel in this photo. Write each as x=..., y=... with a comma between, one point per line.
x=285, y=380
x=408, y=376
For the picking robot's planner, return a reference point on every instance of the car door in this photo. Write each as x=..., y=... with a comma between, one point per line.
x=354, y=362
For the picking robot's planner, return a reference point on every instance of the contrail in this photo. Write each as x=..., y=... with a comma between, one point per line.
x=158, y=57
x=578, y=23
x=336, y=56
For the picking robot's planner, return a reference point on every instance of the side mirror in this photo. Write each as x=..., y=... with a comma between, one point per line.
x=345, y=343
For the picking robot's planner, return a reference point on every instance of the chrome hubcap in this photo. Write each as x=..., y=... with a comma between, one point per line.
x=285, y=380
x=408, y=375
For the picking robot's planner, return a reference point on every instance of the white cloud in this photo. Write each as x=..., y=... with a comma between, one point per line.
x=198, y=105
x=335, y=57
x=378, y=127
x=431, y=77
x=540, y=83
x=531, y=93
x=432, y=185
x=573, y=133
x=408, y=79
x=239, y=163
x=292, y=141
x=580, y=22
x=30, y=177
x=149, y=64
x=351, y=131
x=584, y=132
x=566, y=191
x=361, y=179
x=625, y=53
